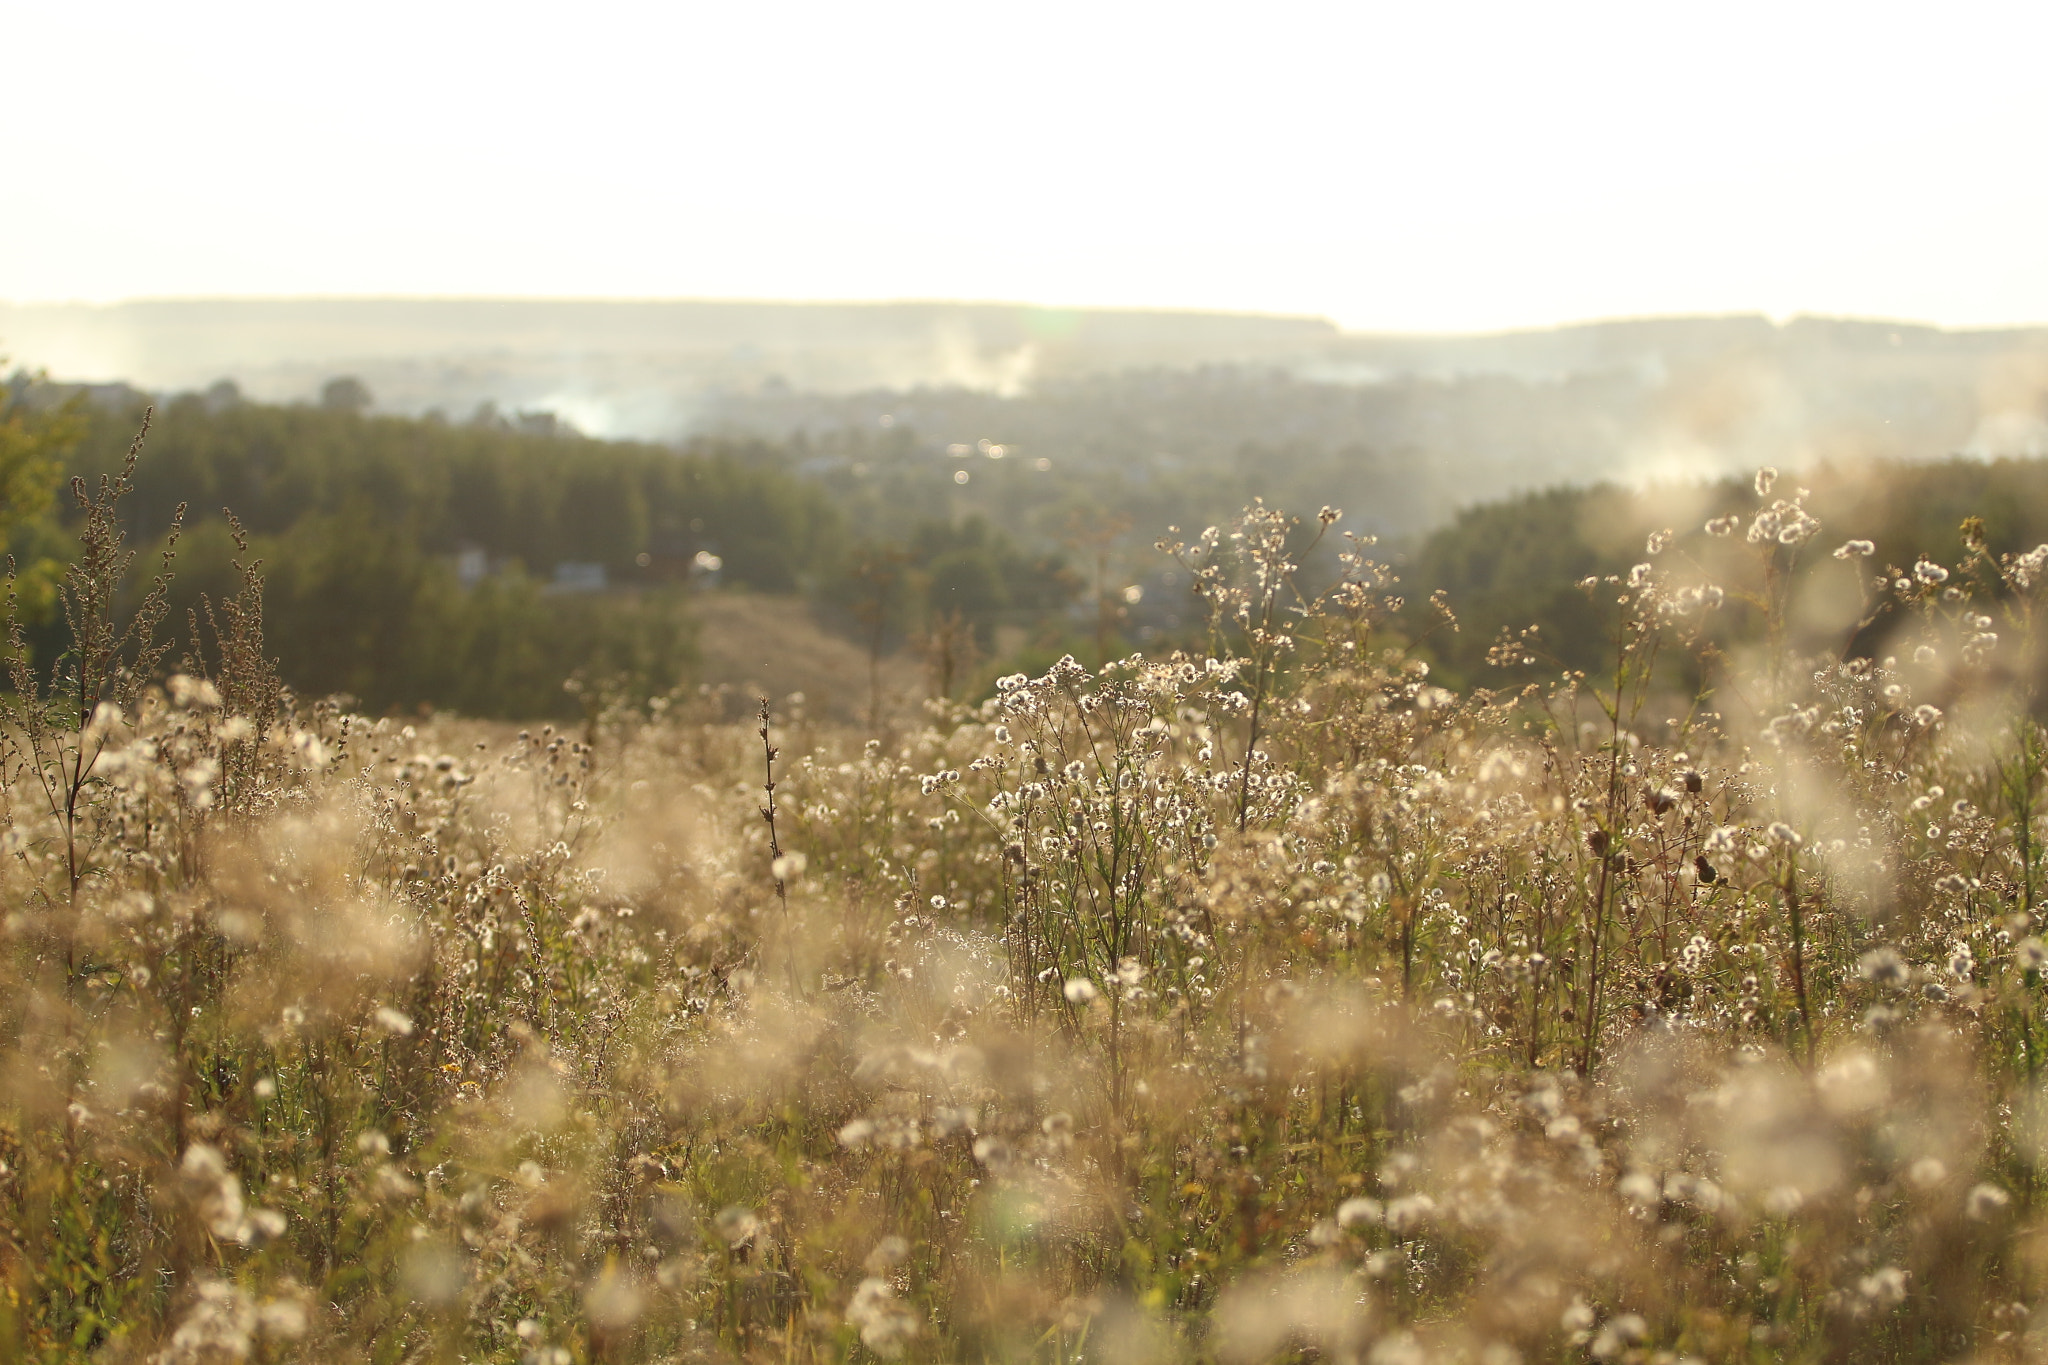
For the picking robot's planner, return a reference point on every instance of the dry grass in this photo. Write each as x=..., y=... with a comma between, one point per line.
x=752, y=646
x=1270, y=1004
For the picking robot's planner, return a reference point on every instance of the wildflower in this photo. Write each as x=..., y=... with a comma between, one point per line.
x=789, y=867
x=1884, y=1287
x=1698, y=949
x=1883, y=966
x=1357, y=1212
x=391, y=1184
x=1927, y=571
x=221, y=1325
x=1409, y=1211
x=1855, y=549
x=215, y=1191
x=393, y=1022
x=886, y=1326
x=1080, y=991
x=1782, y=1201
x=1620, y=1332
x=215, y=1195
x=887, y=1254
x=1723, y=526
x=1765, y=478
x=2027, y=569
x=1783, y=523
x=197, y=778
x=738, y=1225
x=281, y=1319
x=1984, y=1202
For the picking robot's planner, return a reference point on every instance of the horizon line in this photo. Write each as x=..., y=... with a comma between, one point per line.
x=1776, y=320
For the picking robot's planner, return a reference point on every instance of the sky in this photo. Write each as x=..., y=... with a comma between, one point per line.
x=1415, y=166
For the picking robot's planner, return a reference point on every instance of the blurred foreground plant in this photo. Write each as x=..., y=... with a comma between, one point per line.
x=1265, y=1003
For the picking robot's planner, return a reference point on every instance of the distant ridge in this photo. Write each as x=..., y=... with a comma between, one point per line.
x=1469, y=416
x=186, y=341
x=282, y=347
x=1589, y=346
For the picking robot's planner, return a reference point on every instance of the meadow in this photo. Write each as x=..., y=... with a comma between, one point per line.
x=1257, y=1001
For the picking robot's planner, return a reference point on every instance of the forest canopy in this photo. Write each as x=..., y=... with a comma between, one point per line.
x=479, y=566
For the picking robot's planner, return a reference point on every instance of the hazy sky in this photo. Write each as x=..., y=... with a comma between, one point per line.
x=1420, y=165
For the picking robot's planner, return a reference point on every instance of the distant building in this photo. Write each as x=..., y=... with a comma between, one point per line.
x=578, y=575
x=543, y=423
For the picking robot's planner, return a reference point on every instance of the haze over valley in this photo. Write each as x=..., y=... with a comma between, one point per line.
x=1413, y=425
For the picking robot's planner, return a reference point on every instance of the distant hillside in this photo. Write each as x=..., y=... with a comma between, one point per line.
x=1403, y=432
x=478, y=565
x=618, y=368
x=1168, y=416
x=412, y=562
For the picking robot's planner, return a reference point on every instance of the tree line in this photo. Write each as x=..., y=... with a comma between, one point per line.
x=413, y=562
x=416, y=562
x=1544, y=559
